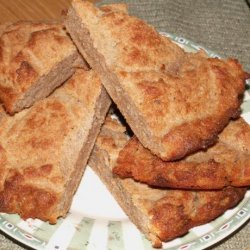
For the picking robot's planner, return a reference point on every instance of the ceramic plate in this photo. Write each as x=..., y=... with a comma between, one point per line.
x=96, y=222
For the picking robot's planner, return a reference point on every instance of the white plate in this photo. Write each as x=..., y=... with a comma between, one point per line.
x=95, y=221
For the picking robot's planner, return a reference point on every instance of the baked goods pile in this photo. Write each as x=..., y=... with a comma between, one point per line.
x=188, y=159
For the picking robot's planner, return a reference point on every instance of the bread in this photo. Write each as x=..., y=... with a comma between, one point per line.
x=161, y=214
x=225, y=163
x=44, y=149
x=35, y=58
x=3, y=27
x=175, y=102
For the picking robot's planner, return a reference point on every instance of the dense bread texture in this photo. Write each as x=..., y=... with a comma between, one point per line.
x=175, y=102
x=162, y=214
x=44, y=149
x=35, y=58
x=225, y=163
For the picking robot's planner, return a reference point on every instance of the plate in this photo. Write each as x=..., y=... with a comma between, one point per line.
x=96, y=222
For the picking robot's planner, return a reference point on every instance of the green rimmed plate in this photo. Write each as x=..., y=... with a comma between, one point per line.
x=95, y=221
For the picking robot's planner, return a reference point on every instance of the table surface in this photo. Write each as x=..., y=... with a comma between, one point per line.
x=36, y=10
x=14, y=10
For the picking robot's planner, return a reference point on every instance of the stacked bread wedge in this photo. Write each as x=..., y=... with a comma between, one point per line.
x=161, y=214
x=187, y=160
x=44, y=148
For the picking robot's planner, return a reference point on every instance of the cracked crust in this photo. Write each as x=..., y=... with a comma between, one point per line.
x=161, y=214
x=175, y=102
x=225, y=163
x=41, y=157
x=31, y=55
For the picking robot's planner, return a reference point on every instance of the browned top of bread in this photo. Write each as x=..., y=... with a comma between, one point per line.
x=225, y=163
x=163, y=213
x=29, y=51
x=175, y=102
x=40, y=147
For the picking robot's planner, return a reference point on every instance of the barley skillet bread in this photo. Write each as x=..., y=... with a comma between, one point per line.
x=44, y=149
x=225, y=163
x=35, y=58
x=175, y=102
x=161, y=214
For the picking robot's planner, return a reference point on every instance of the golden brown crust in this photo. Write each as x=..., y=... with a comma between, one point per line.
x=40, y=151
x=27, y=200
x=181, y=210
x=226, y=163
x=29, y=55
x=175, y=102
x=162, y=214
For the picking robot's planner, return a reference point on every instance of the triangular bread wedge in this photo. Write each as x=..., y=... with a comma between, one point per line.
x=44, y=149
x=175, y=102
x=161, y=214
x=223, y=164
x=35, y=58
